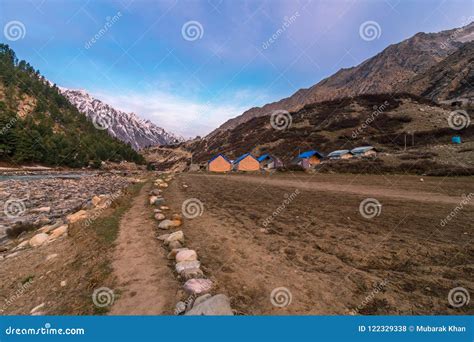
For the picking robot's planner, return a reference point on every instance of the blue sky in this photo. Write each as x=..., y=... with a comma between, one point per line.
x=144, y=60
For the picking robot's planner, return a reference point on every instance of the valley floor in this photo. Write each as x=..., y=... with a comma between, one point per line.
x=305, y=233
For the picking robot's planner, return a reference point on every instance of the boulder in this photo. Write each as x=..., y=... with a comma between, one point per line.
x=176, y=236
x=218, y=305
x=162, y=237
x=187, y=265
x=186, y=255
x=167, y=224
x=172, y=255
x=201, y=299
x=38, y=239
x=95, y=201
x=58, y=232
x=47, y=229
x=77, y=216
x=191, y=273
x=198, y=286
x=174, y=245
x=153, y=199
x=159, y=216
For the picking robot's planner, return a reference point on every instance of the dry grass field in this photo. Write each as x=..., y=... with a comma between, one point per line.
x=306, y=233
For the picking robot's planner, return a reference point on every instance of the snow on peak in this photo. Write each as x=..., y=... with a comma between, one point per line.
x=127, y=127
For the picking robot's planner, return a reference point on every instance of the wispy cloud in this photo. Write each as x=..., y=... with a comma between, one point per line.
x=176, y=114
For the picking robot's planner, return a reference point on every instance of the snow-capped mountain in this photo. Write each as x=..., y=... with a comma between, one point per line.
x=127, y=127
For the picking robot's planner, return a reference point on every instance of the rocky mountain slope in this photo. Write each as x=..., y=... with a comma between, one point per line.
x=385, y=72
x=390, y=123
x=126, y=127
x=452, y=78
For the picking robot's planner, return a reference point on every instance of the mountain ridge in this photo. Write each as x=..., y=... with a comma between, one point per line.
x=406, y=59
x=127, y=127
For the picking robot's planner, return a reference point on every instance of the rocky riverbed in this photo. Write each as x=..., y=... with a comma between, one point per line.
x=38, y=202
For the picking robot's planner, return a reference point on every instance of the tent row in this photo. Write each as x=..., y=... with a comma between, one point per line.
x=307, y=159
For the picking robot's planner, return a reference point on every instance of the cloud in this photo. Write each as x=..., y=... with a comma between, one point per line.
x=173, y=113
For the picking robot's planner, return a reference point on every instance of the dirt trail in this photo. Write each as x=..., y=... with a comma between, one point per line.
x=146, y=284
x=366, y=190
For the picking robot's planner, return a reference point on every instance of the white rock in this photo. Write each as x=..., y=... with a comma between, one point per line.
x=198, y=286
x=159, y=216
x=218, y=305
x=63, y=283
x=176, y=236
x=38, y=239
x=186, y=255
x=187, y=265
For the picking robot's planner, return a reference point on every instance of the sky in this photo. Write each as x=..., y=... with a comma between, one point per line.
x=189, y=66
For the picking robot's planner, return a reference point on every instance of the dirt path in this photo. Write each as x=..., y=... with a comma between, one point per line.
x=146, y=284
x=366, y=190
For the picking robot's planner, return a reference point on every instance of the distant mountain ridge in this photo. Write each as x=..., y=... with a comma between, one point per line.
x=386, y=72
x=126, y=127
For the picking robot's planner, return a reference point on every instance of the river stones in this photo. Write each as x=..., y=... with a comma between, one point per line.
x=159, y=216
x=176, y=236
x=186, y=255
x=218, y=305
x=167, y=224
x=198, y=286
x=187, y=265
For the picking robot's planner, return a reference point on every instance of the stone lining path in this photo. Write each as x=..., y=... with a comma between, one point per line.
x=147, y=285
